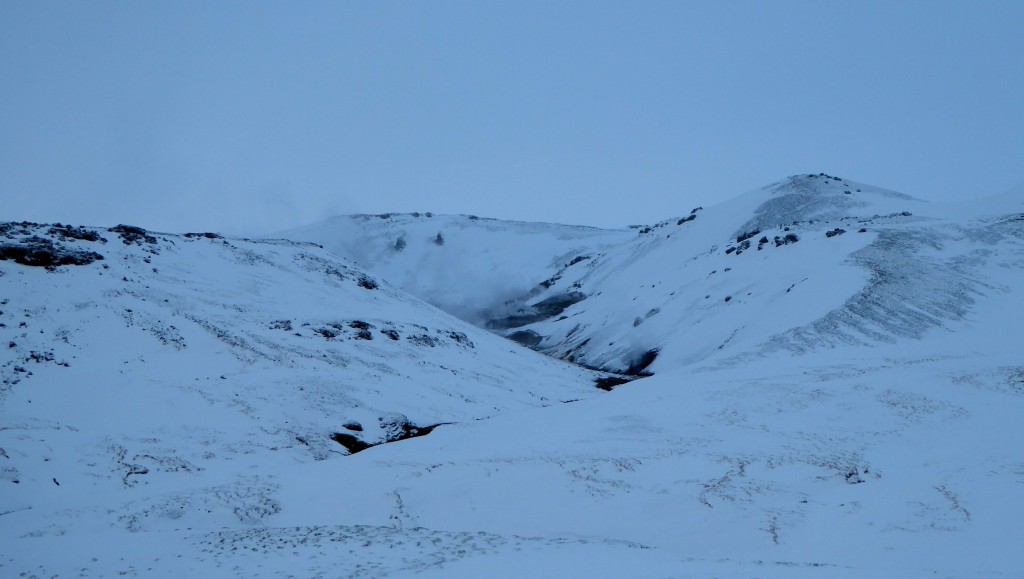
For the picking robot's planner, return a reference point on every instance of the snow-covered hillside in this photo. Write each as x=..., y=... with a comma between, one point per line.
x=836, y=392
x=811, y=262
x=463, y=264
x=137, y=364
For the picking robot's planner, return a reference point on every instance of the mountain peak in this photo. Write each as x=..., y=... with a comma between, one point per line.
x=825, y=184
x=820, y=197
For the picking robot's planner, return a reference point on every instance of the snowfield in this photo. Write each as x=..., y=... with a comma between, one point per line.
x=199, y=406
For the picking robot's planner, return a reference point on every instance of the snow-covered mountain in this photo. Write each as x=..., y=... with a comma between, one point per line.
x=463, y=264
x=807, y=263
x=836, y=391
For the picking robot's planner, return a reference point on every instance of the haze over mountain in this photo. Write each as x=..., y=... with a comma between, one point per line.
x=463, y=264
x=816, y=378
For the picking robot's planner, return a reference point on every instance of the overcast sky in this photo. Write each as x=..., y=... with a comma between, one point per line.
x=257, y=116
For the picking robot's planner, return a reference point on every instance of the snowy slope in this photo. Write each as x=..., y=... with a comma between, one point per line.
x=462, y=264
x=136, y=363
x=852, y=411
x=893, y=462
x=807, y=263
x=899, y=461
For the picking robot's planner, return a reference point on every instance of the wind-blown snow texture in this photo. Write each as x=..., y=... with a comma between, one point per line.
x=836, y=392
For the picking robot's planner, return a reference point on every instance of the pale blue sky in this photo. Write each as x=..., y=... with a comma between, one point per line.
x=256, y=116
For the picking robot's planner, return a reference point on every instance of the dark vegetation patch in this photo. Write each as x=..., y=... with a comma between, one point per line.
x=42, y=357
x=460, y=338
x=367, y=283
x=528, y=338
x=745, y=236
x=41, y=252
x=835, y=232
x=285, y=325
x=396, y=427
x=334, y=329
x=206, y=235
x=361, y=330
x=10, y=229
x=825, y=176
x=131, y=234
x=686, y=219
x=422, y=340
x=76, y=233
x=606, y=383
x=327, y=333
x=786, y=240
